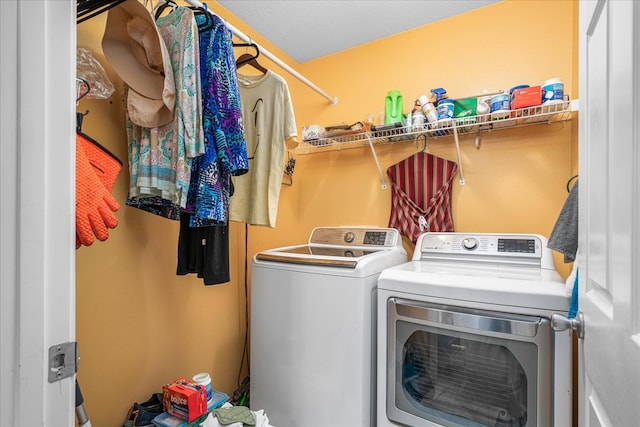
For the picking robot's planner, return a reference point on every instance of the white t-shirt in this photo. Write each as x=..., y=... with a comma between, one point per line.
x=268, y=121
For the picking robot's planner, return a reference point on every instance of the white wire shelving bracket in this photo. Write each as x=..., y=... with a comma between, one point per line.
x=375, y=158
x=538, y=115
x=332, y=99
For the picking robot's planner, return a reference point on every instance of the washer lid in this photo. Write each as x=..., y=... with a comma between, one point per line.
x=331, y=256
x=338, y=247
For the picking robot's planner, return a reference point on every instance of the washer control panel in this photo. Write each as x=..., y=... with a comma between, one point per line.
x=480, y=245
x=356, y=236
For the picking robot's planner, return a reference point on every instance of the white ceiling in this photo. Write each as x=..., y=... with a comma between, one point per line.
x=309, y=29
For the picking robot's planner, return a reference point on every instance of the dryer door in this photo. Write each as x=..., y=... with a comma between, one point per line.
x=452, y=366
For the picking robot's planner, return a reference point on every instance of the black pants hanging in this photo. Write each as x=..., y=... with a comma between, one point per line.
x=203, y=250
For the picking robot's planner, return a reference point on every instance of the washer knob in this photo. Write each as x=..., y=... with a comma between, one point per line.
x=470, y=243
x=349, y=236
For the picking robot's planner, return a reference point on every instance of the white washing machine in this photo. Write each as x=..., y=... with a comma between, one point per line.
x=464, y=335
x=313, y=326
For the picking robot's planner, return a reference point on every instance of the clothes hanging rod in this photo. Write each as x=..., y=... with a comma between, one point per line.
x=265, y=52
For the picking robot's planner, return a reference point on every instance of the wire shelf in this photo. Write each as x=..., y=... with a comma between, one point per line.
x=539, y=114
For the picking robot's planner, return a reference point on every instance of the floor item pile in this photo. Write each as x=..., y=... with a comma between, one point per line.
x=151, y=413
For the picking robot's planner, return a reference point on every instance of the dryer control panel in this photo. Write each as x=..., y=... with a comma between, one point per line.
x=529, y=249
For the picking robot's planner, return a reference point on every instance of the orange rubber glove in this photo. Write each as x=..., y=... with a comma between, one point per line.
x=94, y=203
x=106, y=165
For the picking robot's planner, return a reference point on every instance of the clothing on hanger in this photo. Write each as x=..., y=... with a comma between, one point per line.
x=421, y=194
x=203, y=245
x=160, y=158
x=225, y=150
x=203, y=251
x=564, y=236
x=269, y=121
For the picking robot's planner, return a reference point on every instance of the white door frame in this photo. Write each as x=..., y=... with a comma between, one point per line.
x=37, y=219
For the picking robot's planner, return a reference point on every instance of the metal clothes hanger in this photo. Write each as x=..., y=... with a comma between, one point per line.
x=249, y=59
x=86, y=9
x=570, y=182
x=160, y=7
x=82, y=83
x=208, y=24
x=197, y=10
x=79, y=119
x=424, y=144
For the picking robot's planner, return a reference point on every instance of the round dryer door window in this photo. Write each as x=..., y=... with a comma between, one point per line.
x=453, y=377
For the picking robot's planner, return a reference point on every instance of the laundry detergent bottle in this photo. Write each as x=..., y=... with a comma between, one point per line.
x=393, y=107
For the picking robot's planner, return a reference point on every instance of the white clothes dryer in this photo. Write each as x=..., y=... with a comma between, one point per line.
x=464, y=335
x=313, y=307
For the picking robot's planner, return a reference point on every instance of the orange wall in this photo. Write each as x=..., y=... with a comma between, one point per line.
x=514, y=183
x=139, y=325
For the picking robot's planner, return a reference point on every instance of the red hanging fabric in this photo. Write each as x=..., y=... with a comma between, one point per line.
x=421, y=194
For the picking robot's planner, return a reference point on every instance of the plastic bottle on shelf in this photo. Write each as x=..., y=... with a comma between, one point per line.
x=446, y=108
x=393, y=107
x=484, y=103
x=406, y=121
x=368, y=122
x=417, y=117
x=429, y=110
x=552, y=91
x=439, y=93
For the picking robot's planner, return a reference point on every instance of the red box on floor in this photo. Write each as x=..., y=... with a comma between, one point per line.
x=526, y=97
x=184, y=399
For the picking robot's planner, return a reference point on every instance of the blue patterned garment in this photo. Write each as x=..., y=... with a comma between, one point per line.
x=225, y=146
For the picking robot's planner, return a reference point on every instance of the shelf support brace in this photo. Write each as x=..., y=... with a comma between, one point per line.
x=455, y=136
x=375, y=158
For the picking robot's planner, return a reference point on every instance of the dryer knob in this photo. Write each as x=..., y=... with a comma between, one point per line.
x=349, y=236
x=469, y=243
